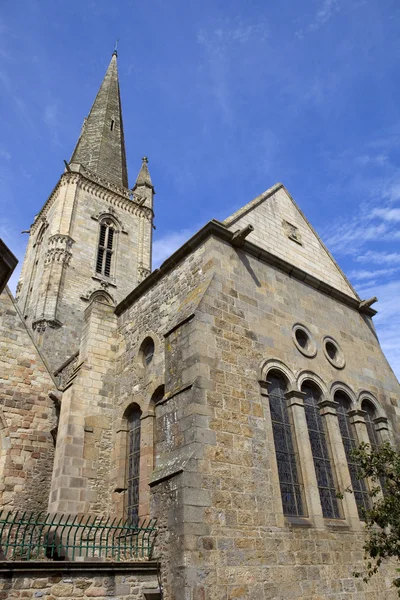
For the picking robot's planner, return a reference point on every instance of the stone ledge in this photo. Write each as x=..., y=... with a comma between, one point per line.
x=95, y=567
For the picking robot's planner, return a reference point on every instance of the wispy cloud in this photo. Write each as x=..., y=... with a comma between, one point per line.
x=387, y=214
x=220, y=43
x=379, y=257
x=167, y=244
x=325, y=11
x=361, y=275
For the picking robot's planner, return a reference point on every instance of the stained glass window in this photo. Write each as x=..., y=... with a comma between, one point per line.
x=319, y=448
x=369, y=421
x=133, y=464
x=349, y=441
x=291, y=488
x=105, y=249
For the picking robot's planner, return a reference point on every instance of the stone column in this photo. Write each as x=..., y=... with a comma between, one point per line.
x=339, y=461
x=295, y=400
x=382, y=427
x=357, y=419
x=146, y=462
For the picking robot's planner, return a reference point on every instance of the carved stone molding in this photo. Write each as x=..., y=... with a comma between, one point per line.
x=59, y=249
x=40, y=325
x=143, y=273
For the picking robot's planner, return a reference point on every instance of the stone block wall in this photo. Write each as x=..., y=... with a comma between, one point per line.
x=78, y=580
x=215, y=487
x=27, y=415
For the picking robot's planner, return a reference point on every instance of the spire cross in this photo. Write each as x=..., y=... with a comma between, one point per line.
x=145, y=159
x=116, y=47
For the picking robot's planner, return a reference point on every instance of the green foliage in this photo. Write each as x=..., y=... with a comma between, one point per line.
x=382, y=520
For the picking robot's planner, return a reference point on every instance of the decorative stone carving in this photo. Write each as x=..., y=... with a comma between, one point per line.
x=40, y=325
x=59, y=249
x=143, y=273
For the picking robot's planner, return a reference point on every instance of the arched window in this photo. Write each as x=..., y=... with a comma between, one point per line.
x=133, y=463
x=286, y=456
x=319, y=448
x=370, y=415
x=350, y=443
x=105, y=247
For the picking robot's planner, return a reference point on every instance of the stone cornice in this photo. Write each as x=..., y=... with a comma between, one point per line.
x=115, y=196
x=218, y=230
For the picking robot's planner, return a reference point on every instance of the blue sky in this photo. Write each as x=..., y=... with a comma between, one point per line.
x=226, y=97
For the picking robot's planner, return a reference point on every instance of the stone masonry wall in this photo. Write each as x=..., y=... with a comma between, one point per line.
x=59, y=272
x=215, y=488
x=27, y=415
x=70, y=583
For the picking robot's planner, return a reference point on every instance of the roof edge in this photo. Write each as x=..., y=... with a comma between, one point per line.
x=219, y=230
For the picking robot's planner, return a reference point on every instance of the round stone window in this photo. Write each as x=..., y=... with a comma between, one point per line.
x=333, y=352
x=303, y=340
x=146, y=351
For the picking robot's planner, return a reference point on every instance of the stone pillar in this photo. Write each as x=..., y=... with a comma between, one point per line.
x=339, y=462
x=295, y=400
x=146, y=462
x=80, y=474
x=382, y=427
x=357, y=419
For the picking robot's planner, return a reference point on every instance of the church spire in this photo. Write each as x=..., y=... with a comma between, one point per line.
x=101, y=145
x=143, y=177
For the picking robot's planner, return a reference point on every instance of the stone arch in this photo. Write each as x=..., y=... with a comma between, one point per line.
x=276, y=365
x=313, y=378
x=365, y=395
x=340, y=386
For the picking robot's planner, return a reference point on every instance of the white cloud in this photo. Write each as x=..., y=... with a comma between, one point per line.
x=379, y=257
x=166, y=245
x=365, y=275
x=387, y=321
x=387, y=214
x=325, y=11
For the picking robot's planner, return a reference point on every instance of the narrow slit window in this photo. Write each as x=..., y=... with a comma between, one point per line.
x=286, y=456
x=112, y=124
x=319, y=447
x=105, y=249
x=350, y=443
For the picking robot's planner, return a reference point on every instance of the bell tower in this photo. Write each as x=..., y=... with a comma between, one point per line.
x=93, y=235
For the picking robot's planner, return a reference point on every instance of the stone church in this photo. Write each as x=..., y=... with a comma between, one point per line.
x=221, y=393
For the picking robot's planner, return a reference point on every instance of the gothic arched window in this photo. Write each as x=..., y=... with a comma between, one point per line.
x=105, y=247
x=370, y=415
x=133, y=463
x=286, y=456
x=320, y=452
x=350, y=443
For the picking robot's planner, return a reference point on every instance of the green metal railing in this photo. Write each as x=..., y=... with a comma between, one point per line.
x=44, y=536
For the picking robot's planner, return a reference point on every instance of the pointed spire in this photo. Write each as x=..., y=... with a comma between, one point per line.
x=144, y=175
x=101, y=145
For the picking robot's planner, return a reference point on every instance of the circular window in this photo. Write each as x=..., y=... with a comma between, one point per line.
x=333, y=353
x=147, y=351
x=303, y=340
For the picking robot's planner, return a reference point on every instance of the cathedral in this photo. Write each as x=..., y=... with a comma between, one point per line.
x=219, y=395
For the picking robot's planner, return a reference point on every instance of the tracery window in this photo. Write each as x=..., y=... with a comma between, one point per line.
x=320, y=452
x=105, y=247
x=350, y=443
x=286, y=455
x=133, y=464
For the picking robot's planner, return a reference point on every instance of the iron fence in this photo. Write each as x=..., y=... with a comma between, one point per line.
x=45, y=536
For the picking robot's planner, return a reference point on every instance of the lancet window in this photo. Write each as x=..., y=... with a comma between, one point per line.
x=350, y=443
x=286, y=455
x=105, y=248
x=133, y=464
x=320, y=452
